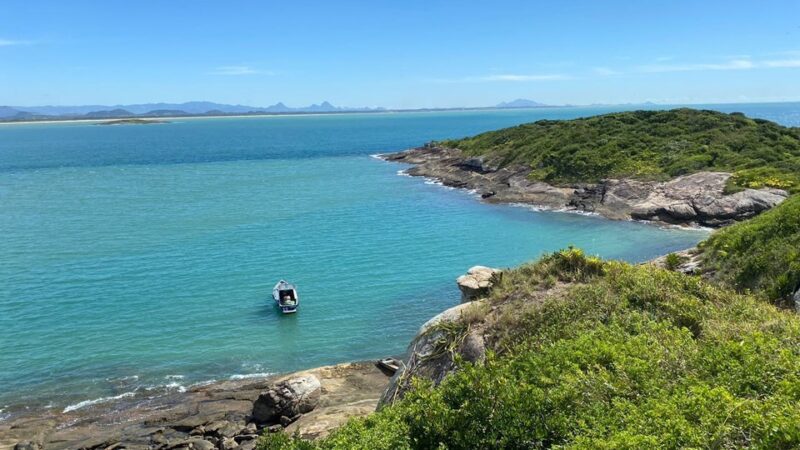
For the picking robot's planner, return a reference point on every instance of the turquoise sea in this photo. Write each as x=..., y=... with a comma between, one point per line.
x=140, y=259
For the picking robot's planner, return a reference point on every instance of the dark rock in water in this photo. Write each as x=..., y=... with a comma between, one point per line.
x=487, y=194
x=287, y=398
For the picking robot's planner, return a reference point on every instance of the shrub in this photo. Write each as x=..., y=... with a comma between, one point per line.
x=632, y=357
x=760, y=255
x=652, y=145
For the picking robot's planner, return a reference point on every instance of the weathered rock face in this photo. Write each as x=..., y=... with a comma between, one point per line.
x=287, y=399
x=796, y=300
x=700, y=198
x=689, y=261
x=427, y=356
x=477, y=282
x=211, y=416
x=697, y=198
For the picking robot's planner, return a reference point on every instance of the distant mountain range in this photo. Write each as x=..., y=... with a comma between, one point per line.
x=198, y=108
x=161, y=110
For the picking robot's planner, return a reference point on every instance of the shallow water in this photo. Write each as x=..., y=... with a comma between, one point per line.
x=136, y=257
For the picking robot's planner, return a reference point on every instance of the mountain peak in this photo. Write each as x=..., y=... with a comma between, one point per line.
x=520, y=103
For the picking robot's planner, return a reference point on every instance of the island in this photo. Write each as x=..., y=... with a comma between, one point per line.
x=132, y=122
x=683, y=166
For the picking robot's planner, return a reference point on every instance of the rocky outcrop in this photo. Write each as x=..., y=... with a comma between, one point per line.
x=796, y=300
x=477, y=282
x=695, y=199
x=432, y=353
x=687, y=261
x=287, y=400
x=215, y=416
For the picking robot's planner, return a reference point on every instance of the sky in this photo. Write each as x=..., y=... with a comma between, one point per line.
x=398, y=54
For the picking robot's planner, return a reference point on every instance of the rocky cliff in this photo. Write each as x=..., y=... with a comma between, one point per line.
x=695, y=199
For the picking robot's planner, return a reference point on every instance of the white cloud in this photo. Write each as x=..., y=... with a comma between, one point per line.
x=9, y=42
x=782, y=63
x=733, y=64
x=505, y=78
x=238, y=70
x=605, y=71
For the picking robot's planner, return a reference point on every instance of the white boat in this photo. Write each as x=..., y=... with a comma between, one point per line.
x=285, y=296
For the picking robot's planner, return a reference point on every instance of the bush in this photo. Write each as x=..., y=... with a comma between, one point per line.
x=760, y=255
x=651, y=145
x=631, y=357
x=672, y=261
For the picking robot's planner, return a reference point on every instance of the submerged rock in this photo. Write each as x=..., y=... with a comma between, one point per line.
x=288, y=398
x=477, y=282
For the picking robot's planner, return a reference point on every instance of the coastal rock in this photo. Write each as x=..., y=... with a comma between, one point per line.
x=796, y=300
x=477, y=282
x=27, y=445
x=429, y=355
x=689, y=261
x=288, y=398
x=693, y=199
x=210, y=412
x=228, y=444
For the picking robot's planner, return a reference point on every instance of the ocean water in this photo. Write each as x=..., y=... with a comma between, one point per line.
x=140, y=259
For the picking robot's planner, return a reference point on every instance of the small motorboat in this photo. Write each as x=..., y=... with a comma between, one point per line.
x=285, y=296
x=389, y=365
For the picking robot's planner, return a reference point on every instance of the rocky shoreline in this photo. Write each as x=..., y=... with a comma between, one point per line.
x=697, y=199
x=224, y=415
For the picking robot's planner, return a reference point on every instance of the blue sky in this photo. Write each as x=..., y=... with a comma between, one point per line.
x=399, y=53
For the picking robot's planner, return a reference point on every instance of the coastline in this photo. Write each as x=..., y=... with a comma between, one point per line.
x=167, y=420
x=263, y=115
x=697, y=200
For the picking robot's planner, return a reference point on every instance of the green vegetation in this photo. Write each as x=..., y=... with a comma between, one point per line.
x=761, y=254
x=672, y=261
x=654, y=145
x=615, y=356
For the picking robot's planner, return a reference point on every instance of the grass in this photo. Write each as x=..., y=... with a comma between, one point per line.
x=760, y=255
x=650, y=145
x=621, y=357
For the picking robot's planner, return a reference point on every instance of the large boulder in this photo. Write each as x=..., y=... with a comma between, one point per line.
x=431, y=356
x=287, y=399
x=477, y=282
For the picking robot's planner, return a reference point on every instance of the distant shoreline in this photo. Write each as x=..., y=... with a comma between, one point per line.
x=265, y=114
x=78, y=119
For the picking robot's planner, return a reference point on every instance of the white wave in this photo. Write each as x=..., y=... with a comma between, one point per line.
x=403, y=173
x=541, y=208
x=174, y=377
x=377, y=156
x=250, y=375
x=176, y=386
x=86, y=403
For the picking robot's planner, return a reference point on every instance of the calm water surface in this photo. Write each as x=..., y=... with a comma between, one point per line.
x=140, y=258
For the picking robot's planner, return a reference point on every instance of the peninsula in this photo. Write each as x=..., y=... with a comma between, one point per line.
x=683, y=166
